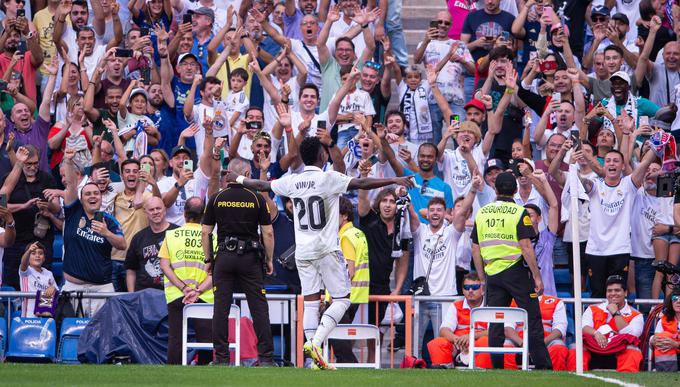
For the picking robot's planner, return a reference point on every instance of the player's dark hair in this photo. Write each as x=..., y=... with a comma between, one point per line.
x=129, y=161
x=310, y=148
x=346, y=208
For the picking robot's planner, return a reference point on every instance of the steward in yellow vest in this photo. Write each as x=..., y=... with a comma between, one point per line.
x=502, y=251
x=186, y=280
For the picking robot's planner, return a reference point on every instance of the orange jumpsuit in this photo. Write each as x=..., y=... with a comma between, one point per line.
x=627, y=360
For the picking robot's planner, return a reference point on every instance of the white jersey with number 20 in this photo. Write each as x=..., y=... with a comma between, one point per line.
x=315, y=196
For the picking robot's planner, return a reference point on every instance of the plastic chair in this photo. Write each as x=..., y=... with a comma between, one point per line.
x=71, y=328
x=205, y=311
x=32, y=339
x=498, y=315
x=3, y=338
x=355, y=332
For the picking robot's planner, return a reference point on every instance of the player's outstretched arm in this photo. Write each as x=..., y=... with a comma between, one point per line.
x=371, y=183
x=257, y=185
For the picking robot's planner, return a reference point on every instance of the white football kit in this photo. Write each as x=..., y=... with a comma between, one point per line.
x=315, y=195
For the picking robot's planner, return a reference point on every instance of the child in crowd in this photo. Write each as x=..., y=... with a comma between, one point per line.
x=34, y=277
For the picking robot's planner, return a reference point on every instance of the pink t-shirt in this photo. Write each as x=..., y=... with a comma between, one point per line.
x=458, y=9
x=28, y=72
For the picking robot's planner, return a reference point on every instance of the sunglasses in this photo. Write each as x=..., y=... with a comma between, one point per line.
x=444, y=22
x=373, y=65
x=675, y=298
x=472, y=287
x=423, y=187
x=600, y=19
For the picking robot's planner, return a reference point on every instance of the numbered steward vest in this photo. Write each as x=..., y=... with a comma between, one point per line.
x=463, y=315
x=359, y=292
x=497, y=235
x=186, y=260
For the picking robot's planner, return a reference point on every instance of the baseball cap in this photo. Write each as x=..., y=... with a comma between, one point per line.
x=180, y=149
x=621, y=17
x=186, y=55
x=475, y=103
x=506, y=184
x=621, y=75
x=600, y=10
x=204, y=11
x=493, y=163
x=137, y=91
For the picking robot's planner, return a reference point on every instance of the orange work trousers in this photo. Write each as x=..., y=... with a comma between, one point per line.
x=441, y=352
x=627, y=360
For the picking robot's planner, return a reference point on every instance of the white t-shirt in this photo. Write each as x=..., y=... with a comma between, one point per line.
x=130, y=123
x=296, y=120
x=200, y=110
x=610, y=209
x=634, y=328
x=648, y=210
x=32, y=281
x=358, y=101
x=536, y=199
x=198, y=186
x=455, y=169
x=236, y=102
x=451, y=77
x=450, y=318
x=339, y=28
x=559, y=319
x=440, y=247
x=313, y=73
x=316, y=197
x=219, y=9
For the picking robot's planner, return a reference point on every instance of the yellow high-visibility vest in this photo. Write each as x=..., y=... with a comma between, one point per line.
x=496, y=225
x=185, y=250
x=360, y=281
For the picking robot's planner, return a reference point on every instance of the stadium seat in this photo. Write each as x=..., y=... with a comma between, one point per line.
x=8, y=301
x=57, y=248
x=32, y=339
x=493, y=315
x=205, y=311
x=3, y=338
x=58, y=272
x=71, y=328
x=354, y=332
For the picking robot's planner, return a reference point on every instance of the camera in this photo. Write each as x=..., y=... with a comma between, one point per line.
x=667, y=184
x=669, y=270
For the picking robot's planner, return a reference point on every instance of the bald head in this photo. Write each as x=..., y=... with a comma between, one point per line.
x=239, y=166
x=155, y=211
x=193, y=209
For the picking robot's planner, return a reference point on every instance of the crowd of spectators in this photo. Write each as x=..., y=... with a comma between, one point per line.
x=116, y=113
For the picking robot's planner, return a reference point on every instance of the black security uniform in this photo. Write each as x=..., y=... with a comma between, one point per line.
x=238, y=213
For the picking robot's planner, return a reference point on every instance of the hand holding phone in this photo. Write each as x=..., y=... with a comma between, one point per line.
x=188, y=165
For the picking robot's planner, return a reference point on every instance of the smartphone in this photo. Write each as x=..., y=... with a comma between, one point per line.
x=188, y=165
x=434, y=24
x=644, y=120
x=99, y=216
x=3, y=85
x=664, y=186
x=254, y=125
x=3, y=200
x=22, y=47
x=186, y=18
x=533, y=55
x=123, y=53
x=321, y=124
x=146, y=168
x=454, y=118
x=144, y=31
x=146, y=75
x=373, y=159
x=403, y=147
x=557, y=96
x=514, y=166
x=548, y=11
x=21, y=13
x=576, y=139
x=505, y=35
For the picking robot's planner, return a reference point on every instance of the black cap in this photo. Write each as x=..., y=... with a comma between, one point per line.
x=621, y=17
x=179, y=149
x=506, y=184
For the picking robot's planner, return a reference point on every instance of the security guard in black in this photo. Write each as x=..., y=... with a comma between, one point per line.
x=239, y=212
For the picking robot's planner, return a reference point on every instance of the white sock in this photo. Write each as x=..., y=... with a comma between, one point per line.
x=310, y=319
x=330, y=319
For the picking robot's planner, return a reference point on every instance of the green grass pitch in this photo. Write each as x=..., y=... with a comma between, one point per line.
x=166, y=376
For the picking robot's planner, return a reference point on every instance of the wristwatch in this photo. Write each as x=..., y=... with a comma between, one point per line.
x=179, y=187
x=10, y=225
